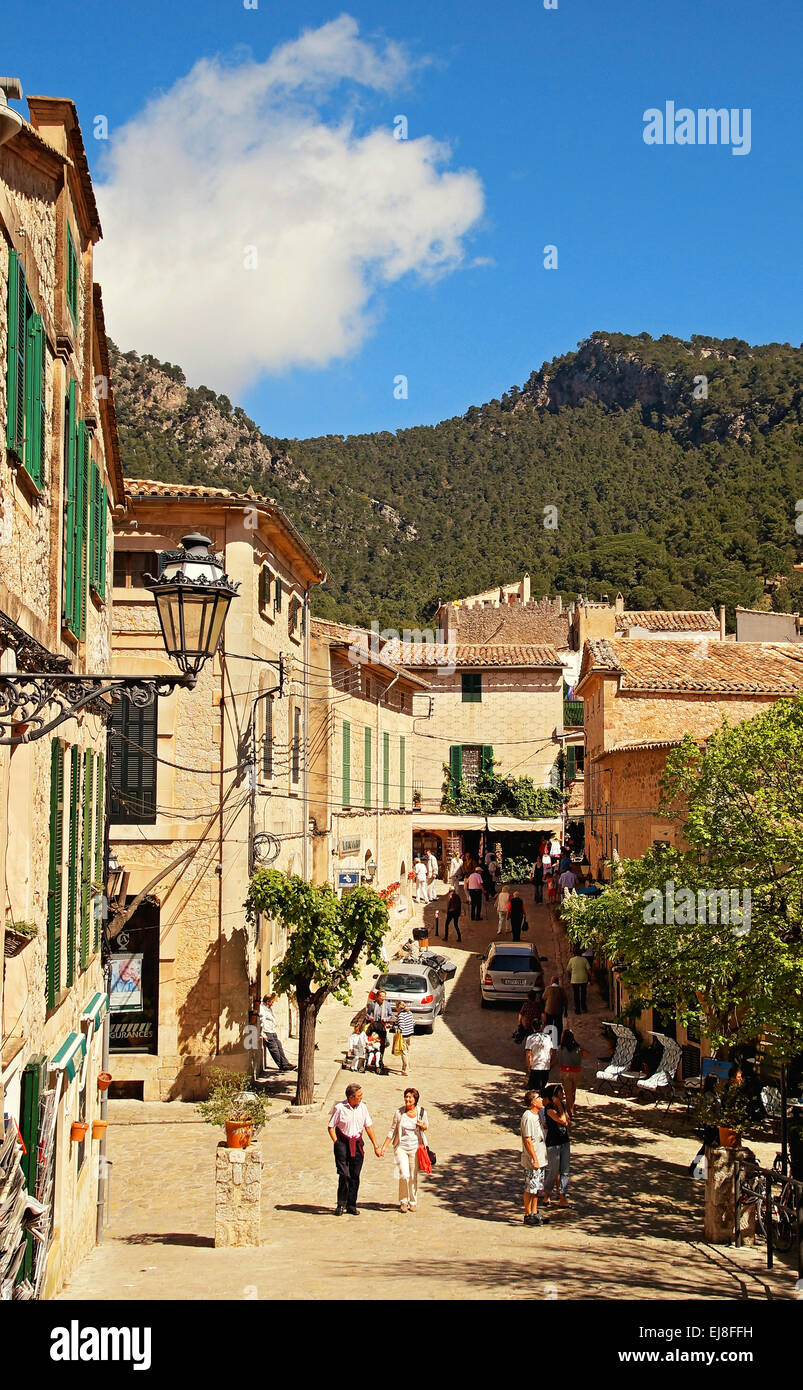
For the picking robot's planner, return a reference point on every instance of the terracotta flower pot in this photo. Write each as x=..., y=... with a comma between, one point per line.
x=239, y=1134
x=729, y=1138
x=99, y=1128
x=105, y=1079
x=78, y=1131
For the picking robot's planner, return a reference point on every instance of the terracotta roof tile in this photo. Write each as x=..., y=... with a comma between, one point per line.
x=470, y=654
x=669, y=620
x=753, y=668
x=526, y=624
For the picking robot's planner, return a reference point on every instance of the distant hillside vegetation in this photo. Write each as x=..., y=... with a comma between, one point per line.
x=677, y=498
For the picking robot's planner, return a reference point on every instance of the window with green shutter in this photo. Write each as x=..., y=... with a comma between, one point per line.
x=54, y=879
x=386, y=769
x=132, y=748
x=86, y=856
x=100, y=802
x=346, y=768
x=472, y=687
x=104, y=517
x=72, y=276
x=277, y=594
x=68, y=546
x=366, y=774
x=25, y=377
x=73, y=865
x=402, y=770
x=487, y=758
x=98, y=507
x=81, y=536
x=267, y=741
x=456, y=763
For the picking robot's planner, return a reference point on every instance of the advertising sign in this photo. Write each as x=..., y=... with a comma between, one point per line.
x=126, y=983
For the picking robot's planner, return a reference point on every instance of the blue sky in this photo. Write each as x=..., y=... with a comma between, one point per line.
x=542, y=113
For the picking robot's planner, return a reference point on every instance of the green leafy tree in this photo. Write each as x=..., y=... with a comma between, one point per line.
x=740, y=805
x=497, y=796
x=327, y=938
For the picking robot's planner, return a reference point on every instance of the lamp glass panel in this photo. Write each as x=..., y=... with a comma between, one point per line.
x=166, y=604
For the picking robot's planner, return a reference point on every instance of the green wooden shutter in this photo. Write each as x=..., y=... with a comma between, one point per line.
x=68, y=559
x=15, y=417
x=346, y=763
x=73, y=850
x=456, y=763
x=72, y=276
x=104, y=510
x=81, y=537
x=571, y=762
x=402, y=770
x=34, y=400
x=32, y=1084
x=86, y=856
x=277, y=595
x=386, y=769
x=54, y=880
x=94, y=523
x=100, y=806
x=367, y=769
x=486, y=757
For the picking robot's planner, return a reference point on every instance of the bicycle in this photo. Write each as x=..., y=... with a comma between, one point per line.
x=783, y=1217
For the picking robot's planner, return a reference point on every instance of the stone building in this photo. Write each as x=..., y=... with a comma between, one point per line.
x=640, y=698
x=210, y=781
x=361, y=763
x=59, y=477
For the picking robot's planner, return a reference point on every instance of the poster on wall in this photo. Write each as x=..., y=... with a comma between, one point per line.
x=126, y=982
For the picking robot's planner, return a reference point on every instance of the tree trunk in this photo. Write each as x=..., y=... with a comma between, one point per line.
x=307, y=1019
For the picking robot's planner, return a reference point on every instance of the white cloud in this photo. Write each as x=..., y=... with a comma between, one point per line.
x=236, y=156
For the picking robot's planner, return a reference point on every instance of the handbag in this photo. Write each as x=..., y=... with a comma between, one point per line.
x=397, y=1049
x=525, y=926
x=426, y=1157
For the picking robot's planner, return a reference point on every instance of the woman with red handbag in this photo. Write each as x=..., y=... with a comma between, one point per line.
x=406, y=1134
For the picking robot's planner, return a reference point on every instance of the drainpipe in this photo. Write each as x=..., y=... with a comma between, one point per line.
x=305, y=717
x=104, y=1066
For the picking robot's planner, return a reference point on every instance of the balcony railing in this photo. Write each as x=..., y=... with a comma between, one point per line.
x=572, y=713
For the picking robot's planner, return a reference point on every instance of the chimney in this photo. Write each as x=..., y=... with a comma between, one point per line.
x=722, y=622
x=620, y=603
x=525, y=589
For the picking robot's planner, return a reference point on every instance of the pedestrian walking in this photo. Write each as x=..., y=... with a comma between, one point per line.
x=379, y=1014
x=534, y=1158
x=579, y=973
x=568, y=881
x=538, y=879
x=487, y=882
x=570, y=1056
x=347, y=1121
x=432, y=875
x=420, y=875
x=539, y=1055
x=528, y=1013
x=455, y=871
x=555, y=1004
x=502, y=903
x=515, y=912
x=406, y=1133
x=405, y=1027
x=453, y=909
x=475, y=894
x=358, y=1048
x=557, y=1143
x=271, y=1042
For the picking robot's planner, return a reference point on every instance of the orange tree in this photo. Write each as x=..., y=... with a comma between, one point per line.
x=327, y=937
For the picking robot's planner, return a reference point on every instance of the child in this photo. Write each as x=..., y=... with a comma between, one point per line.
x=357, y=1048
x=373, y=1053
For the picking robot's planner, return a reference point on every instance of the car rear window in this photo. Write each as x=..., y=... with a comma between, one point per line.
x=512, y=965
x=403, y=984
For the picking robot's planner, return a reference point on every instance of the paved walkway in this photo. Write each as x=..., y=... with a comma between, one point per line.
x=634, y=1229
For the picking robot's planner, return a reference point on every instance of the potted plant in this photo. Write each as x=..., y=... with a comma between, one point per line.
x=734, y=1117
x=18, y=934
x=105, y=1080
x=230, y=1103
x=78, y=1131
x=99, y=1128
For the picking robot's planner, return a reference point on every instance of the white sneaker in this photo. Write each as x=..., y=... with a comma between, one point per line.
x=412, y=1206
x=403, y=1206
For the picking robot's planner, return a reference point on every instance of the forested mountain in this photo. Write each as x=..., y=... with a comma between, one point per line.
x=674, y=467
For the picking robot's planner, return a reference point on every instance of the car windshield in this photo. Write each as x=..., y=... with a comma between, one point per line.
x=402, y=984
x=512, y=965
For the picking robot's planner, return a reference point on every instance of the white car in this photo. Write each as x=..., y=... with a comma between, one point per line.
x=509, y=971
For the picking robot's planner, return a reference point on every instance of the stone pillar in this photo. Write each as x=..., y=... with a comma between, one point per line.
x=720, y=1195
x=238, y=1196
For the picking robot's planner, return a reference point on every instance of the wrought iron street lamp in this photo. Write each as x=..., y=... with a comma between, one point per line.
x=192, y=596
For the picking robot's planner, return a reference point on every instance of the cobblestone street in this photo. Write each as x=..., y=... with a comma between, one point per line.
x=634, y=1228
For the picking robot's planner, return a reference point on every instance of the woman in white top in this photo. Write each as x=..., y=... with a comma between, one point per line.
x=502, y=900
x=405, y=1134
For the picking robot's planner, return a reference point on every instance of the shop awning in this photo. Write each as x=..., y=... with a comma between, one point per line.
x=94, y=1012
x=443, y=820
x=70, y=1055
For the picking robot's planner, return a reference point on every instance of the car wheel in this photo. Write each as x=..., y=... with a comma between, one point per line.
x=427, y=1027
x=484, y=1003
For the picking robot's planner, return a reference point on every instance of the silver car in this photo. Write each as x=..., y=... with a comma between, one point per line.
x=421, y=988
x=509, y=971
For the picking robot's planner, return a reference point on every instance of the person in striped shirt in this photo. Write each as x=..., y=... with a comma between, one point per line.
x=405, y=1027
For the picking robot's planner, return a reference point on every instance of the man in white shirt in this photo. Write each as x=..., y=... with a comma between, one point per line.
x=420, y=873
x=540, y=1056
x=347, y=1121
x=432, y=874
x=533, y=1157
x=475, y=894
x=271, y=1041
